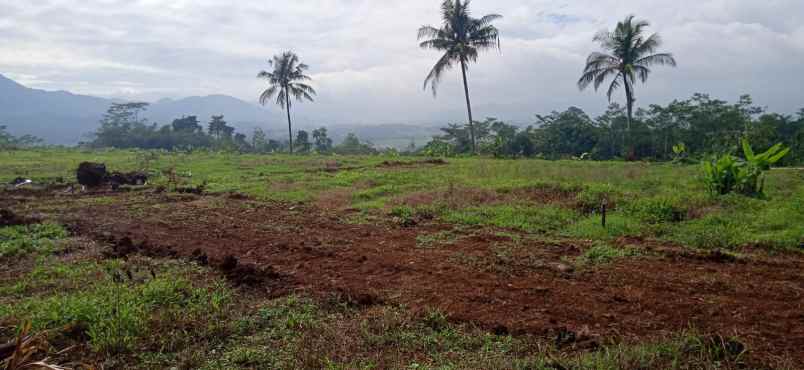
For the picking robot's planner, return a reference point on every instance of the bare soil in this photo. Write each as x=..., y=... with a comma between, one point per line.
x=277, y=248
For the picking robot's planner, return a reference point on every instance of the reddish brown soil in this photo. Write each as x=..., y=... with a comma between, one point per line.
x=282, y=248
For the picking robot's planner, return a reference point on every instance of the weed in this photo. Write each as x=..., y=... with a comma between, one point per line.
x=602, y=253
x=25, y=239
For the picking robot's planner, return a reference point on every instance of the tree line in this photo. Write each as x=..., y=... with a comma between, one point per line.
x=123, y=127
x=680, y=130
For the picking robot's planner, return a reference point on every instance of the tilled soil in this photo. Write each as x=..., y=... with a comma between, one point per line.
x=481, y=277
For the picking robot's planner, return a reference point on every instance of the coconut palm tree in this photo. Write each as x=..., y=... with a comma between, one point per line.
x=286, y=80
x=629, y=57
x=461, y=38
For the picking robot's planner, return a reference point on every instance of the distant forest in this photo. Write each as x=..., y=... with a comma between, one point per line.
x=683, y=129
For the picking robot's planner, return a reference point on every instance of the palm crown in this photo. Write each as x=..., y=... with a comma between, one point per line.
x=286, y=80
x=461, y=38
x=630, y=56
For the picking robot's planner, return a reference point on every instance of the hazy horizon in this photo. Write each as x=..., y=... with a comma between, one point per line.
x=366, y=64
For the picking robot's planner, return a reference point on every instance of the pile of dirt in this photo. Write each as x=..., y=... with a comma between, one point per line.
x=93, y=175
x=9, y=218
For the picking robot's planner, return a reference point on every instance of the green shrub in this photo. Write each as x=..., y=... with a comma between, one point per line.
x=657, y=209
x=727, y=173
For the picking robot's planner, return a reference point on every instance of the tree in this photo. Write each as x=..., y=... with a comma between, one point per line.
x=286, y=81
x=461, y=38
x=217, y=127
x=630, y=56
x=352, y=145
x=8, y=141
x=323, y=144
x=187, y=125
x=259, y=140
x=303, y=141
x=117, y=124
x=566, y=134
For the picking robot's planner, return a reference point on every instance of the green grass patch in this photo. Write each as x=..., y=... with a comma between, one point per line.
x=602, y=253
x=113, y=306
x=27, y=239
x=529, y=219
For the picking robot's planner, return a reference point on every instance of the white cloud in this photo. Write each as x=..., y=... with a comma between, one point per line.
x=367, y=66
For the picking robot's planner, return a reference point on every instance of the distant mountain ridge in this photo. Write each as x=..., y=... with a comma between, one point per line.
x=64, y=118
x=60, y=117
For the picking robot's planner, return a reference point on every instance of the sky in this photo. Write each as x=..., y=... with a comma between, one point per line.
x=366, y=63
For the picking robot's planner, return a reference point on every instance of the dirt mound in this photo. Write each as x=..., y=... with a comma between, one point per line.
x=9, y=218
x=93, y=175
x=247, y=275
x=391, y=164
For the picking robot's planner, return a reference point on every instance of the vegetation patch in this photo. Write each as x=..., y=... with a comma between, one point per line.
x=602, y=253
x=529, y=219
x=26, y=239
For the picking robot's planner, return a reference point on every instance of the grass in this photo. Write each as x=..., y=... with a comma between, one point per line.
x=662, y=201
x=602, y=253
x=38, y=238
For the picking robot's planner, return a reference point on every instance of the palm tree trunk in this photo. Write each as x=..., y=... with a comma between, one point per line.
x=629, y=102
x=469, y=108
x=290, y=131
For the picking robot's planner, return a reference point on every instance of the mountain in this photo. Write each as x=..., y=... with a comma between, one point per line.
x=60, y=117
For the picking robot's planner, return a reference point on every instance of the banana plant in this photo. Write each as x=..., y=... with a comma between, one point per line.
x=727, y=173
x=766, y=159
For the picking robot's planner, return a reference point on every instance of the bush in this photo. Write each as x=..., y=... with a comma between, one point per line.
x=727, y=173
x=657, y=210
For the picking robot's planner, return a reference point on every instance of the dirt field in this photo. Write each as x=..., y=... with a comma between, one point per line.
x=501, y=280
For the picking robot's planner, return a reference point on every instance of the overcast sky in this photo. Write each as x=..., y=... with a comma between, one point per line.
x=365, y=61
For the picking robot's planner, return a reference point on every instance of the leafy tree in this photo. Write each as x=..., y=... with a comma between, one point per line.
x=566, y=134
x=117, y=124
x=460, y=38
x=352, y=145
x=8, y=141
x=286, y=80
x=303, y=141
x=323, y=144
x=242, y=143
x=187, y=124
x=259, y=141
x=630, y=54
x=218, y=128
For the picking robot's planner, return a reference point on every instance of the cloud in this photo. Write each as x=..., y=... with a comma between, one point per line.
x=367, y=66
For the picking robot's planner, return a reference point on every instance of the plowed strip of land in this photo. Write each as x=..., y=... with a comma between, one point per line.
x=760, y=299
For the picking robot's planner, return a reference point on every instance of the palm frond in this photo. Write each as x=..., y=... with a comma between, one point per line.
x=434, y=77
x=615, y=84
x=657, y=59
x=268, y=94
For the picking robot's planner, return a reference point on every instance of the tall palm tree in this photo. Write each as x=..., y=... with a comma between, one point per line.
x=460, y=37
x=286, y=80
x=630, y=56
